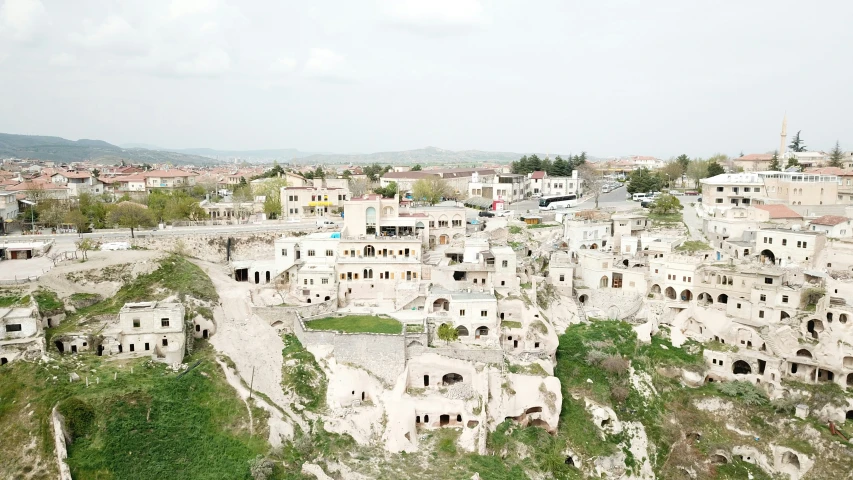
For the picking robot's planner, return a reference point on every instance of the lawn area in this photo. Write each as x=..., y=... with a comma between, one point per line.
x=357, y=324
x=693, y=246
x=666, y=217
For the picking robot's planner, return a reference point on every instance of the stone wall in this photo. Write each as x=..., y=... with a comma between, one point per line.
x=381, y=354
x=471, y=354
x=612, y=302
x=210, y=247
x=286, y=315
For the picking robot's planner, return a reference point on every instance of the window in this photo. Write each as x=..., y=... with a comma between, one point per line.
x=799, y=244
x=311, y=281
x=761, y=314
x=805, y=244
x=762, y=298
x=719, y=200
x=719, y=189
x=745, y=189
x=324, y=281
x=768, y=280
x=442, y=223
x=135, y=323
x=346, y=252
x=283, y=252
x=562, y=278
x=756, y=189
x=461, y=313
x=330, y=253
x=738, y=305
x=165, y=342
x=432, y=224
x=305, y=281
x=505, y=263
x=656, y=270
x=311, y=253
x=457, y=223
x=164, y=322
x=13, y=327
x=784, y=299
x=484, y=313
x=784, y=241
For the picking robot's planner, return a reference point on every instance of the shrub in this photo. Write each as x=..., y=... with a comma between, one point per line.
x=615, y=364
x=748, y=393
x=619, y=393
x=260, y=468
x=79, y=417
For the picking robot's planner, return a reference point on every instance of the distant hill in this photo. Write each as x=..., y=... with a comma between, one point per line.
x=428, y=155
x=62, y=150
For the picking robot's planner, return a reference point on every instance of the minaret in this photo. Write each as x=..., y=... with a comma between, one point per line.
x=783, y=144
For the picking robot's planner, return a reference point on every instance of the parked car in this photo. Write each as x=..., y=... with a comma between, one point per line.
x=485, y=213
x=646, y=203
x=504, y=213
x=691, y=192
x=674, y=192
x=536, y=195
x=325, y=224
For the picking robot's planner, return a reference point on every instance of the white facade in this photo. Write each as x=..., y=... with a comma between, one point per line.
x=154, y=329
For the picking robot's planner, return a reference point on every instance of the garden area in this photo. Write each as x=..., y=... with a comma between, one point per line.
x=357, y=324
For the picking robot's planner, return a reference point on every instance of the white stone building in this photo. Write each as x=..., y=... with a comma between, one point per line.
x=154, y=329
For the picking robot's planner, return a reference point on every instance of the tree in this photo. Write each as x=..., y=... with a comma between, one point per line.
x=774, y=163
x=797, y=143
x=53, y=213
x=132, y=216
x=672, y=171
x=374, y=171
x=593, y=181
x=665, y=204
x=642, y=181
x=417, y=168
x=715, y=169
x=80, y=221
x=560, y=168
x=683, y=161
x=272, y=206
x=836, y=156
x=346, y=174
x=387, y=191
x=96, y=173
x=792, y=162
x=447, y=333
x=358, y=187
x=697, y=170
x=431, y=189
x=85, y=245
x=319, y=173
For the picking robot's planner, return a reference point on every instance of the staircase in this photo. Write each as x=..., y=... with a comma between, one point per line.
x=432, y=258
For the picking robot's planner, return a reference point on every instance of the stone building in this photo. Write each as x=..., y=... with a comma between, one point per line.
x=20, y=334
x=154, y=329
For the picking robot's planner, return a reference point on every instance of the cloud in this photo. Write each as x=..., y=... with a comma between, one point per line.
x=209, y=63
x=283, y=65
x=326, y=64
x=19, y=18
x=183, y=8
x=113, y=35
x=63, y=60
x=435, y=17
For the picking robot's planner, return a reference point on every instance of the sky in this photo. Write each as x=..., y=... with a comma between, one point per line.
x=610, y=77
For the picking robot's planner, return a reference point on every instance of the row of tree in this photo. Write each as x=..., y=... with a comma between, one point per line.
x=559, y=167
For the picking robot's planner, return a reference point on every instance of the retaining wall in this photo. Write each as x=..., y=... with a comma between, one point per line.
x=287, y=315
x=382, y=354
x=473, y=355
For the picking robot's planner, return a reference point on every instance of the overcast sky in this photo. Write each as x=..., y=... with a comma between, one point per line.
x=606, y=76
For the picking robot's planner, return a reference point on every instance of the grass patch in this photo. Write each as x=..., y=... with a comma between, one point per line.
x=693, y=246
x=302, y=376
x=666, y=217
x=526, y=286
x=145, y=425
x=661, y=351
x=9, y=300
x=514, y=229
x=48, y=301
x=414, y=328
x=533, y=369
x=510, y=324
x=542, y=225
x=80, y=297
x=357, y=324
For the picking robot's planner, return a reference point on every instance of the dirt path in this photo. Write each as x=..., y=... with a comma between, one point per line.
x=248, y=340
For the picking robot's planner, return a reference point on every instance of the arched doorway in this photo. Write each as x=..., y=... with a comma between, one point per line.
x=741, y=368
x=814, y=327
x=257, y=277
x=705, y=299
x=670, y=293
x=583, y=298
x=482, y=332
x=723, y=298
x=686, y=295
x=441, y=304
x=804, y=353
x=369, y=251
x=268, y=276
x=656, y=290
x=443, y=240
x=451, y=378
x=594, y=246
x=603, y=282
x=462, y=331
x=768, y=257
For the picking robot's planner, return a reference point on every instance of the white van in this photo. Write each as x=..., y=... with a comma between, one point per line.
x=325, y=224
x=640, y=196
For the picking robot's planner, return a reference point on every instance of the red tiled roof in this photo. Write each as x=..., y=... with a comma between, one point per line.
x=74, y=174
x=829, y=220
x=34, y=186
x=756, y=157
x=537, y=175
x=830, y=171
x=168, y=173
x=779, y=211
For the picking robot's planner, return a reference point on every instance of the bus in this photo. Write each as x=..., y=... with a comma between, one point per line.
x=558, y=201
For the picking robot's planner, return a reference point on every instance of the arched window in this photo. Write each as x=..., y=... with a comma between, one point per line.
x=462, y=331
x=368, y=273
x=369, y=251
x=370, y=216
